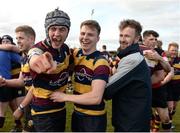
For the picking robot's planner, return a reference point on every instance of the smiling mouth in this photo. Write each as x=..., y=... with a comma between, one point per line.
x=85, y=42
x=56, y=39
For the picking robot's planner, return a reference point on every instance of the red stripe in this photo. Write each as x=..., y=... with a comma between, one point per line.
x=157, y=85
x=43, y=102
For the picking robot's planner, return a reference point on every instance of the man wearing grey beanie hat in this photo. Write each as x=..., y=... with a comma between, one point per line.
x=49, y=62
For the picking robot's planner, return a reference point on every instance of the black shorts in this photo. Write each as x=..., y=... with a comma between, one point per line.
x=159, y=97
x=173, y=91
x=6, y=94
x=86, y=123
x=18, y=92
x=51, y=122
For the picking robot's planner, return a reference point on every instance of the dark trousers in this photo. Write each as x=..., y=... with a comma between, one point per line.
x=86, y=123
x=51, y=122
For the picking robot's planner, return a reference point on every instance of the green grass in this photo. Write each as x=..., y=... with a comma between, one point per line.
x=9, y=119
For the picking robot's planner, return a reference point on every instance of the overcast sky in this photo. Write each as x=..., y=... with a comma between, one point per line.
x=162, y=16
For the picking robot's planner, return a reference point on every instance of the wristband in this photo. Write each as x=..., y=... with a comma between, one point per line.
x=21, y=108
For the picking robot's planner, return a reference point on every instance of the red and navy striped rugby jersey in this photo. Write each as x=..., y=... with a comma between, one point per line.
x=175, y=63
x=26, y=72
x=88, y=68
x=44, y=84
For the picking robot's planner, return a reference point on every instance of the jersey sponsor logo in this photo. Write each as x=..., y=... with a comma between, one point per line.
x=61, y=80
x=82, y=75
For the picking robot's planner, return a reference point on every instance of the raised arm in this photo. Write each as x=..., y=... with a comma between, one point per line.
x=10, y=47
x=42, y=63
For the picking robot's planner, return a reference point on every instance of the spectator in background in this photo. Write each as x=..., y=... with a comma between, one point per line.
x=18, y=93
x=173, y=87
x=25, y=36
x=6, y=59
x=161, y=75
x=105, y=53
x=158, y=47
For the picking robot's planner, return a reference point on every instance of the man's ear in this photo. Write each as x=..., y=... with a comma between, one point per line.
x=137, y=39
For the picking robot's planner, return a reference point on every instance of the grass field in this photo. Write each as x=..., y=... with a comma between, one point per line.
x=9, y=120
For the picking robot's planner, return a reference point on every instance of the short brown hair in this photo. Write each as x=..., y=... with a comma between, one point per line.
x=150, y=32
x=92, y=24
x=174, y=44
x=28, y=30
x=133, y=24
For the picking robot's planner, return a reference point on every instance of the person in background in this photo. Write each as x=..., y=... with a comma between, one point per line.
x=173, y=87
x=25, y=36
x=158, y=47
x=105, y=53
x=161, y=74
x=18, y=93
x=6, y=93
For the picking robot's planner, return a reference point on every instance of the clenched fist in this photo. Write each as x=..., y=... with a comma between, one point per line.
x=43, y=63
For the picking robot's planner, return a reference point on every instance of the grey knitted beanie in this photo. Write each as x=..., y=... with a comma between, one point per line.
x=56, y=17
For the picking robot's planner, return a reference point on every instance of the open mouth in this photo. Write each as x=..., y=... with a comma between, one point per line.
x=56, y=39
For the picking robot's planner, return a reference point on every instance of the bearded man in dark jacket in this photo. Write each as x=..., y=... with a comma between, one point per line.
x=130, y=87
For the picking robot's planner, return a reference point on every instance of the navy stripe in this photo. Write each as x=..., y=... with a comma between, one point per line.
x=41, y=104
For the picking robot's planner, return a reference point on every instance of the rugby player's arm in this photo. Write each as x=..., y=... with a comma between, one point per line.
x=94, y=97
x=9, y=47
x=168, y=77
x=166, y=66
x=14, y=83
x=27, y=100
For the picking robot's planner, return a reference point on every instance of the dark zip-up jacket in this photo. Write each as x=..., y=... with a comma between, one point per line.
x=130, y=91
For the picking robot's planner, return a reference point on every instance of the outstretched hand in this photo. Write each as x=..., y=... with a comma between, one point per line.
x=43, y=63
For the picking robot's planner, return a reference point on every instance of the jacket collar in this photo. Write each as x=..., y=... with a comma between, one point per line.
x=129, y=50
